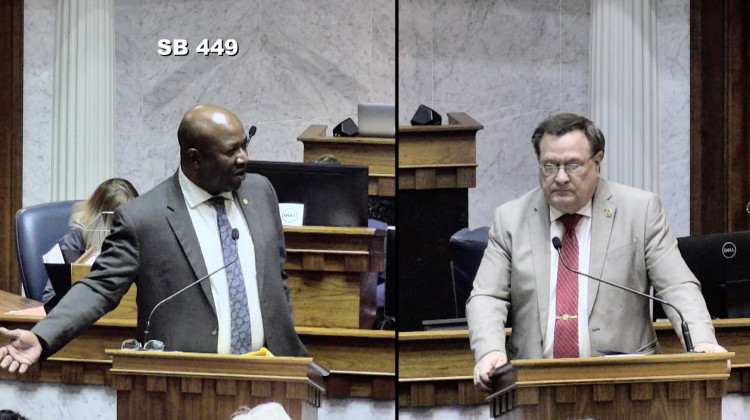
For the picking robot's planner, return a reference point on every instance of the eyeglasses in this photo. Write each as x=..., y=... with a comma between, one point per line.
x=551, y=168
x=151, y=345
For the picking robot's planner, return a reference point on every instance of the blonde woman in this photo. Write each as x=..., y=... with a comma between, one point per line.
x=91, y=221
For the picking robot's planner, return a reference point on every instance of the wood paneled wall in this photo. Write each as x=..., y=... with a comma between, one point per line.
x=719, y=114
x=11, y=137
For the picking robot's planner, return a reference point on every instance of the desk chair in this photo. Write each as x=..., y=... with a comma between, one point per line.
x=467, y=250
x=38, y=228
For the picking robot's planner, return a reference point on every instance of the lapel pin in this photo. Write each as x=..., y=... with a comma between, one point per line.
x=608, y=213
x=244, y=201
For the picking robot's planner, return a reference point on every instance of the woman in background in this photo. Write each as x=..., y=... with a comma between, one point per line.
x=91, y=222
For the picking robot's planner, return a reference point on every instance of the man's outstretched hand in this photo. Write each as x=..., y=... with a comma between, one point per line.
x=22, y=350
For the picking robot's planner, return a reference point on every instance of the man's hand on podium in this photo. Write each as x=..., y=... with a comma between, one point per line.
x=23, y=350
x=706, y=347
x=485, y=366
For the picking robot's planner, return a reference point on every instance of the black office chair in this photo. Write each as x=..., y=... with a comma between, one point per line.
x=38, y=228
x=467, y=249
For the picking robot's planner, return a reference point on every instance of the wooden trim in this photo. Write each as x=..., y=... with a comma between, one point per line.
x=11, y=138
x=719, y=113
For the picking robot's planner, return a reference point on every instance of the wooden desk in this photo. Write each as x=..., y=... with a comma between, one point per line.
x=438, y=156
x=333, y=275
x=436, y=368
x=361, y=362
x=378, y=154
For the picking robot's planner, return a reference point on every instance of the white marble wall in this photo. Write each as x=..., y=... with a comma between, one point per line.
x=509, y=64
x=301, y=62
x=674, y=111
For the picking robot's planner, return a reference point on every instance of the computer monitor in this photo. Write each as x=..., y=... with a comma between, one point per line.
x=333, y=195
x=721, y=262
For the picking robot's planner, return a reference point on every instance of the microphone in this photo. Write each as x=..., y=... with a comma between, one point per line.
x=685, y=331
x=235, y=236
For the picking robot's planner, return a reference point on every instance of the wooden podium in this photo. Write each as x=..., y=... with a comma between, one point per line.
x=436, y=167
x=378, y=154
x=184, y=386
x=438, y=156
x=665, y=387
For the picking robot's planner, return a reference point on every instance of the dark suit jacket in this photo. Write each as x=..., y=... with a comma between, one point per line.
x=153, y=244
x=631, y=245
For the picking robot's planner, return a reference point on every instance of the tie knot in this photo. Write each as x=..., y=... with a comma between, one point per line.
x=570, y=221
x=217, y=201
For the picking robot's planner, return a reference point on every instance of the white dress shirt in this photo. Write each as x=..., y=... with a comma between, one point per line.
x=203, y=216
x=583, y=234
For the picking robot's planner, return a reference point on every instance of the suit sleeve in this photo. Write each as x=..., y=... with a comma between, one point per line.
x=672, y=279
x=113, y=272
x=488, y=305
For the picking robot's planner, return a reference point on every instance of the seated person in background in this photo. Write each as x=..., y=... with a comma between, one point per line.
x=88, y=226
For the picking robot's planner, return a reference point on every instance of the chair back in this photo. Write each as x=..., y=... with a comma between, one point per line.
x=467, y=249
x=38, y=228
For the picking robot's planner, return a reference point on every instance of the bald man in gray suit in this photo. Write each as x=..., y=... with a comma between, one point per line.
x=167, y=239
x=622, y=236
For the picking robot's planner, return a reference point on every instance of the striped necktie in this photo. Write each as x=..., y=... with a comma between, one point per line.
x=566, y=300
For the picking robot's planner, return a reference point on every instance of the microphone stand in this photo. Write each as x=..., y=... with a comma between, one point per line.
x=685, y=330
x=235, y=235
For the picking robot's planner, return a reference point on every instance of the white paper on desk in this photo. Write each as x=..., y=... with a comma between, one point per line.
x=54, y=256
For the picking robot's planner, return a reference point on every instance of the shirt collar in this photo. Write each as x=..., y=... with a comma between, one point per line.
x=195, y=195
x=555, y=214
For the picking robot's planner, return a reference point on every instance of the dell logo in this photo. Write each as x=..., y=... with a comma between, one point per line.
x=728, y=250
x=289, y=215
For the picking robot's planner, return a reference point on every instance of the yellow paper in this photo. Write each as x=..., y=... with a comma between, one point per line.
x=263, y=352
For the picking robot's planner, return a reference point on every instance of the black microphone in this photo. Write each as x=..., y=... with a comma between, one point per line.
x=235, y=236
x=685, y=331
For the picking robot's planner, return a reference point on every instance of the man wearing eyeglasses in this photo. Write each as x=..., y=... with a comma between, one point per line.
x=609, y=231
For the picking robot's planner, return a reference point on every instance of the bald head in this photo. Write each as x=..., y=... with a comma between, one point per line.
x=204, y=123
x=213, y=148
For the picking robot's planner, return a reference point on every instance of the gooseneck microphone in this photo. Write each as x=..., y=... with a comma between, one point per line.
x=685, y=331
x=235, y=236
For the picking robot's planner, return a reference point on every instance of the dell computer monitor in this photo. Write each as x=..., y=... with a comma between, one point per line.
x=333, y=195
x=721, y=262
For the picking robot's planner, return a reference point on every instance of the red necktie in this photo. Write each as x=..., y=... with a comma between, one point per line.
x=566, y=303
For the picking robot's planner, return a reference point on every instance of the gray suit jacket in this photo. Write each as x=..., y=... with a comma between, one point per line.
x=153, y=244
x=633, y=247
